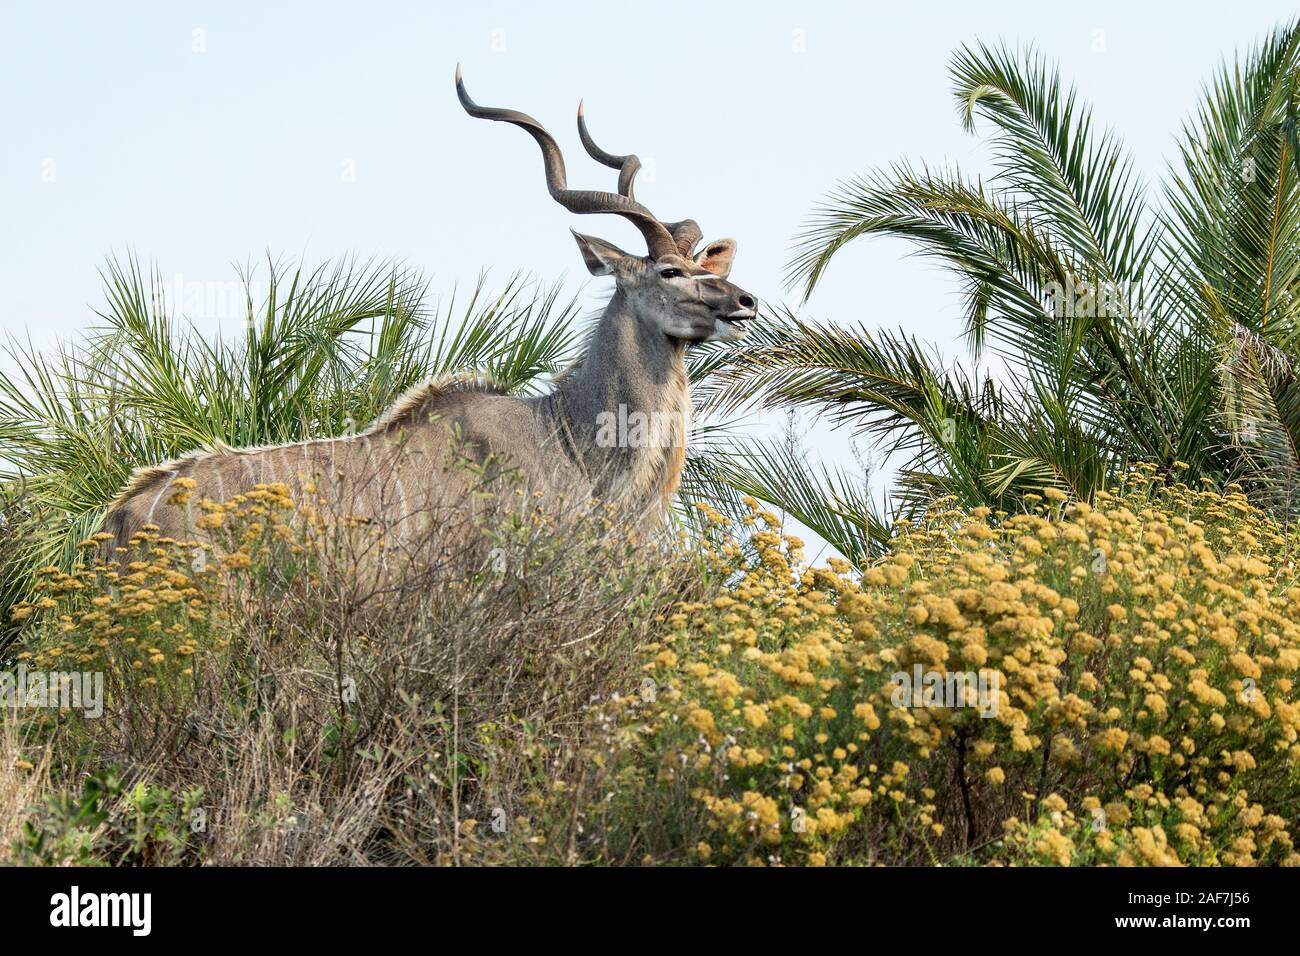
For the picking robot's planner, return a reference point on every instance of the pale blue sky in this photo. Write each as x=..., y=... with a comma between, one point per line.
x=201, y=135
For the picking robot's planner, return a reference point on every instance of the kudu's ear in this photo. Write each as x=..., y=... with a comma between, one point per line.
x=601, y=257
x=717, y=257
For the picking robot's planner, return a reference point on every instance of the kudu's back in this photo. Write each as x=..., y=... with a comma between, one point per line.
x=440, y=450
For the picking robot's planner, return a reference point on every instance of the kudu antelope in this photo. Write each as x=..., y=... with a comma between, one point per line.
x=632, y=374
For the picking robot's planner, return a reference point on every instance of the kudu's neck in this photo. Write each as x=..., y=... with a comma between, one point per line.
x=626, y=408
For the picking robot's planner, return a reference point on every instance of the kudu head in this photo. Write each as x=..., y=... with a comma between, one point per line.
x=673, y=289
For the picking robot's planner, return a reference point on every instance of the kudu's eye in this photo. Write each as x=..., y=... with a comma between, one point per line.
x=672, y=273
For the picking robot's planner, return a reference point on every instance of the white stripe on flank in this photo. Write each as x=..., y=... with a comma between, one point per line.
x=153, y=507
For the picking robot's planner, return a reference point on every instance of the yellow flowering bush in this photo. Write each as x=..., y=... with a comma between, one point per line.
x=142, y=614
x=1131, y=695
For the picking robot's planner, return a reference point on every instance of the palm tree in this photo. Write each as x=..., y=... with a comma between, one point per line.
x=1125, y=329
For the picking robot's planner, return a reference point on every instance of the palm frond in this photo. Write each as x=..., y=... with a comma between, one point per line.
x=1069, y=181
x=834, y=504
x=1233, y=203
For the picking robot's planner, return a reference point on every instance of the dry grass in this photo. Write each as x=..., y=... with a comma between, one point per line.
x=23, y=781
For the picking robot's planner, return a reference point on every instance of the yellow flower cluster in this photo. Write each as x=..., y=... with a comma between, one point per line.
x=145, y=611
x=1116, y=684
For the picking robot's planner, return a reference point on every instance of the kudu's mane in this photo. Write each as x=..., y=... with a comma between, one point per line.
x=414, y=406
